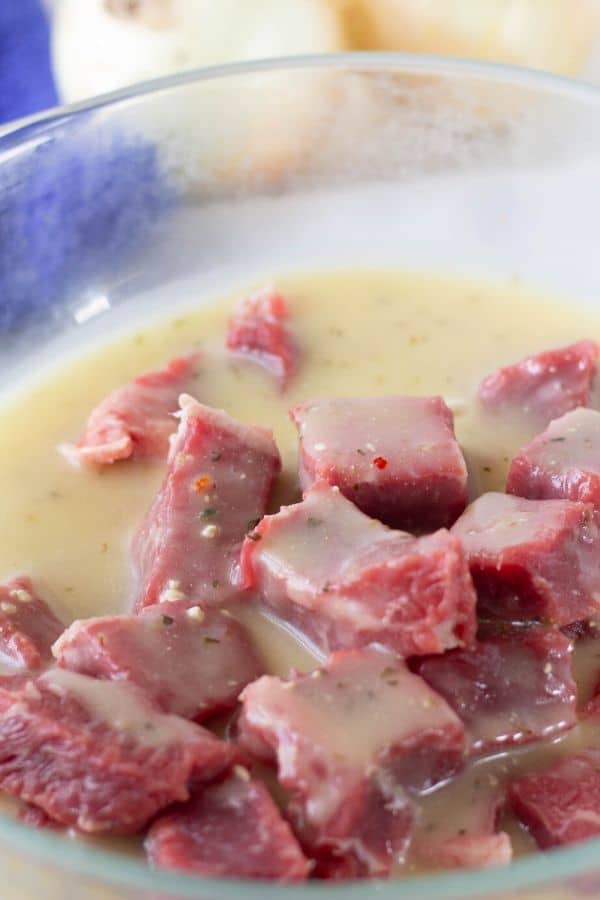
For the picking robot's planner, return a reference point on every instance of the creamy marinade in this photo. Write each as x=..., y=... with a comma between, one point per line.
x=362, y=333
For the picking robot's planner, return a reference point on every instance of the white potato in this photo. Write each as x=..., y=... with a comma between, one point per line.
x=548, y=34
x=214, y=134
x=101, y=45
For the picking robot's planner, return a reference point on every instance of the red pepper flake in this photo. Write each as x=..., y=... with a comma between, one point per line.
x=380, y=461
x=202, y=483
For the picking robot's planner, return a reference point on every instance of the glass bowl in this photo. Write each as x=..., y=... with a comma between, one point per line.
x=174, y=191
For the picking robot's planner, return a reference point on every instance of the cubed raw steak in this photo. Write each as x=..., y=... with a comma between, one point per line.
x=219, y=478
x=533, y=559
x=188, y=661
x=346, y=580
x=544, y=386
x=468, y=840
x=95, y=754
x=28, y=627
x=468, y=851
x=135, y=420
x=396, y=458
x=350, y=740
x=563, y=462
x=259, y=330
x=560, y=805
x=508, y=690
x=230, y=829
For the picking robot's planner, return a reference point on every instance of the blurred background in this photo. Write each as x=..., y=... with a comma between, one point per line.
x=61, y=51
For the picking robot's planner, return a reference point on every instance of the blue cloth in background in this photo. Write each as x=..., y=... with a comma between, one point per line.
x=26, y=83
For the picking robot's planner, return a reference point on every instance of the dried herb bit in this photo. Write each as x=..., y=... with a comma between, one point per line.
x=390, y=675
x=253, y=536
x=313, y=522
x=462, y=831
x=557, y=440
x=216, y=582
x=487, y=468
x=208, y=513
x=380, y=461
x=211, y=640
x=362, y=452
x=326, y=587
x=252, y=524
x=55, y=495
x=215, y=455
x=167, y=620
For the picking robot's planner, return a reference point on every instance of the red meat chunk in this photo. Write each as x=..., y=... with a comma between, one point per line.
x=562, y=462
x=562, y=804
x=231, y=829
x=544, y=386
x=259, y=330
x=28, y=627
x=468, y=851
x=95, y=754
x=351, y=740
x=533, y=559
x=346, y=580
x=135, y=420
x=219, y=478
x=508, y=690
x=396, y=458
x=189, y=661
x=468, y=840
x=35, y=817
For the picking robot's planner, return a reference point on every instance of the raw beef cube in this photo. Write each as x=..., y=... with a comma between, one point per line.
x=230, y=829
x=135, y=420
x=28, y=627
x=466, y=840
x=508, y=690
x=35, y=817
x=468, y=851
x=562, y=462
x=258, y=329
x=396, y=458
x=562, y=804
x=189, y=661
x=219, y=478
x=533, y=559
x=95, y=754
x=346, y=580
x=544, y=386
x=351, y=740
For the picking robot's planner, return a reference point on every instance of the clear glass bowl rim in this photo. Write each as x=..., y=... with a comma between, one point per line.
x=119, y=871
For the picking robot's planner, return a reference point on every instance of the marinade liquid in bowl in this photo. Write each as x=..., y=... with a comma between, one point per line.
x=423, y=223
